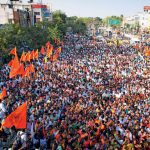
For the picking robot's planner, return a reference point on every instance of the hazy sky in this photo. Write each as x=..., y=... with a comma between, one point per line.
x=100, y=8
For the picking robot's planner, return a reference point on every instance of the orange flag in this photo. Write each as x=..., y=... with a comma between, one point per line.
x=3, y=93
x=137, y=46
x=58, y=50
x=18, y=118
x=42, y=50
x=147, y=51
x=36, y=54
x=48, y=44
x=15, y=63
x=32, y=55
x=28, y=56
x=27, y=71
x=14, y=67
x=23, y=57
x=55, y=57
x=10, y=63
x=13, y=51
x=31, y=68
x=21, y=70
x=49, y=51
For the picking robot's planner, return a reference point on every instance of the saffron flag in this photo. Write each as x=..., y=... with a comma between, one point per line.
x=18, y=118
x=49, y=51
x=13, y=51
x=3, y=94
x=55, y=57
x=36, y=54
x=14, y=67
x=31, y=68
x=137, y=46
x=23, y=57
x=26, y=73
x=48, y=44
x=21, y=70
x=42, y=50
x=147, y=51
x=32, y=55
x=28, y=56
x=10, y=63
x=59, y=49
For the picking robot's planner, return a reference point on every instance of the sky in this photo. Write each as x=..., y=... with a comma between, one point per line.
x=97, y=8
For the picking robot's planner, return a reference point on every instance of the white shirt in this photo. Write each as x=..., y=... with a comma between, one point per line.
x=2, y=107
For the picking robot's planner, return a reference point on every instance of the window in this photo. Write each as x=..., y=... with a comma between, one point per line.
x=37, y=13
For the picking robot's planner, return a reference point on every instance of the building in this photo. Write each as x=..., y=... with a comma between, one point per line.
x=25, y=14
x=141, y=18
x=6, y=14
x=40, y=12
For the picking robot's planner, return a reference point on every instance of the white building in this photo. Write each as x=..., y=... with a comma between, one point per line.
x=6, y=14
x=142, y=18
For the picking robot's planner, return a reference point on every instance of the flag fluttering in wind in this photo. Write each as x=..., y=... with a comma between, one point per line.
x=14, y=67
x=48, y=44
x=28, y=56
x=146, y=51
x=59, y=50
x=23, y=57
x=42, y=50
x=3, y=94
x=32, y=56
x=31, y=68
x=49, y=51
x=17, y=118
x=10, y=63
x=21, y=70
x=36, y=54
x=13, y=51
x=55, y=56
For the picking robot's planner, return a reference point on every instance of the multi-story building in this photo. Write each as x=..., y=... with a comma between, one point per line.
x=23, y=13
x=40, y=12
x=141, y=18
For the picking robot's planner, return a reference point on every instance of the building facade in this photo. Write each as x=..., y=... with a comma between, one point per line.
x=25, y=14
x=141, y=18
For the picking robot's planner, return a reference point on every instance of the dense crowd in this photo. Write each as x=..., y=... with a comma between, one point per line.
x=95, y=97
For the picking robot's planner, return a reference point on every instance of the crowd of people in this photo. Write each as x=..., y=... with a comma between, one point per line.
x=95, y=97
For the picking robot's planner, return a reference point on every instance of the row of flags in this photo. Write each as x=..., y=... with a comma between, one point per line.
x=18, y=118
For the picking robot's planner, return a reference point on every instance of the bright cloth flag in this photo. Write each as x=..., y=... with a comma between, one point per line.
x=10, y=63
x=17, y=118
x=59, y=49
x=32, y=55
x=21, y=70
x=49, y=51
x=31, y=68
x=42, y=50
x=28, y=56
x=36, y=55
x=13, y=51
x=48, y=44
x=23, y=57
x=14, y=67
x=147, y=51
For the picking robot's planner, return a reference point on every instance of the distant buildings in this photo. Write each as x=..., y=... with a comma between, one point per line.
x=25, y=14
x=142, y=18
